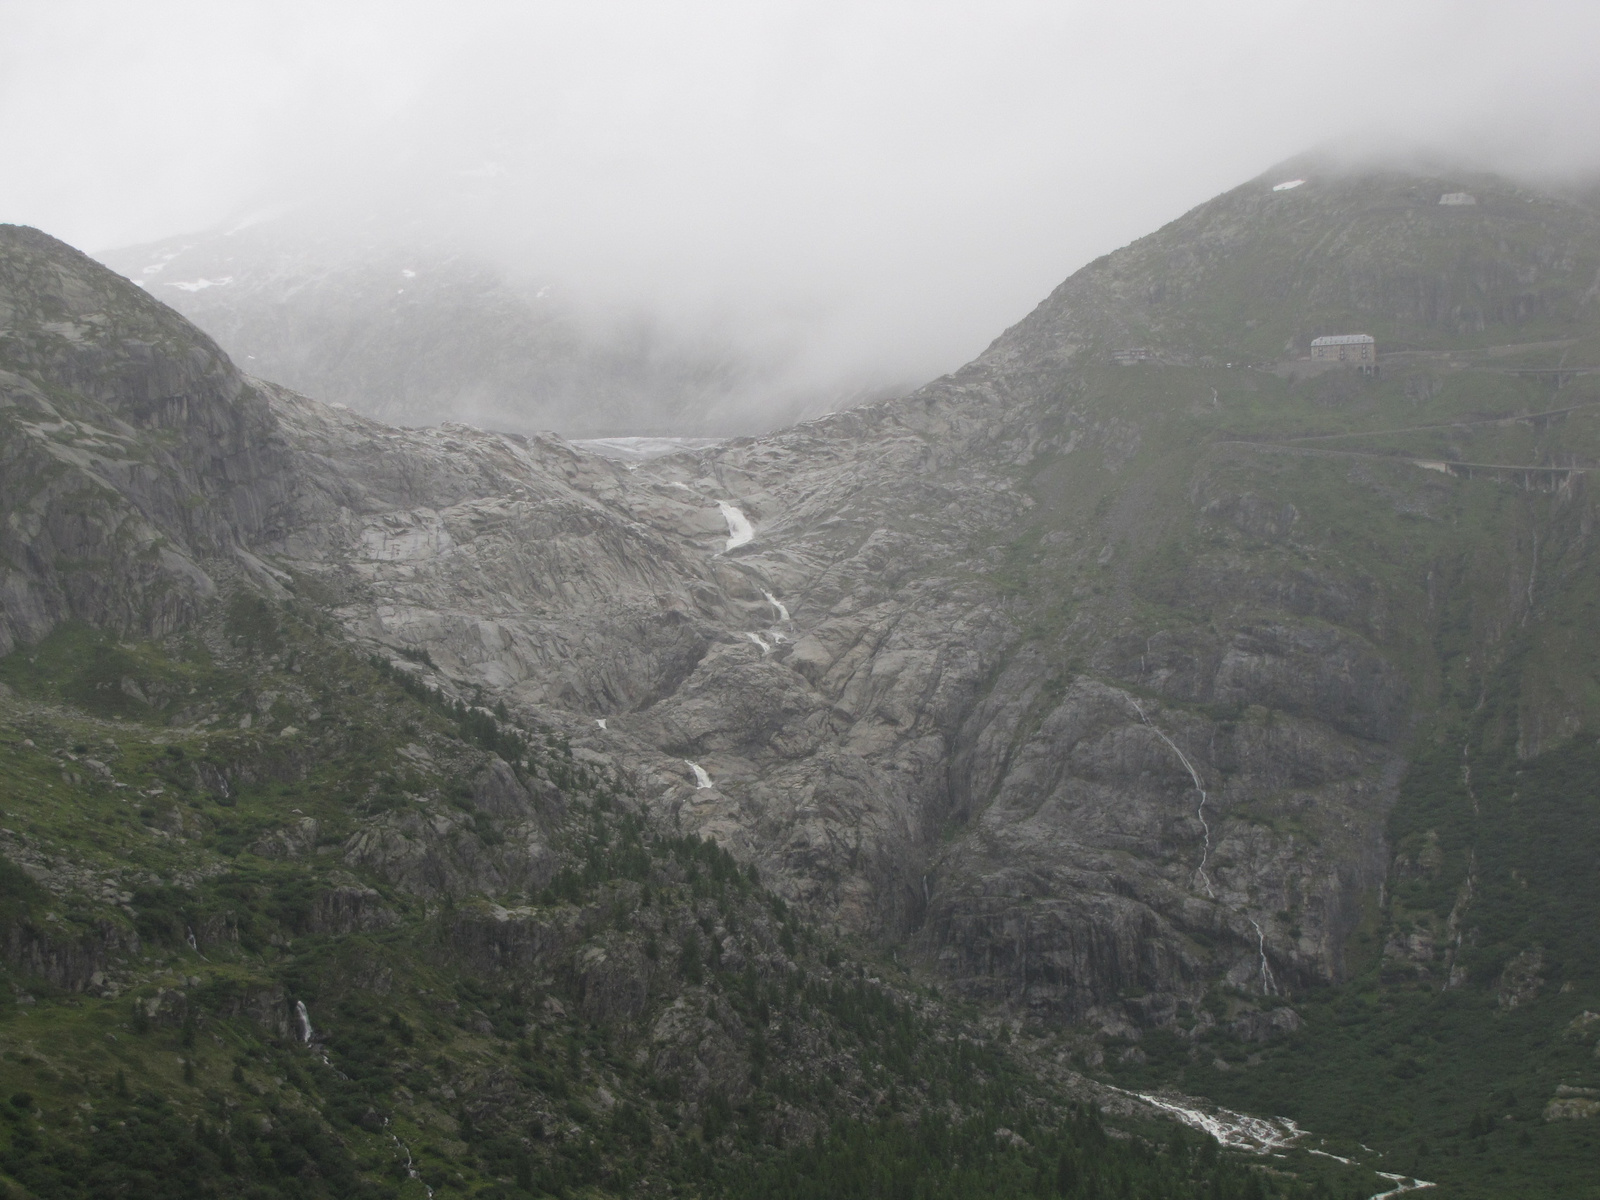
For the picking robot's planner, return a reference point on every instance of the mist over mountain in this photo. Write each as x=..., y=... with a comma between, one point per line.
x=415, y=328
x=806, y=206
x=1151, y=723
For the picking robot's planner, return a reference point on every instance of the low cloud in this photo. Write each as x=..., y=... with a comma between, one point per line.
x=876, y=189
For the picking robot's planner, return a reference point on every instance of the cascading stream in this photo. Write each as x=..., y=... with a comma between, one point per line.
x=1200, y=812
x=1258, y=1135
x=410, y=1168
x=1237, y=1131
x=740, y=530
x=1402, y=1183
x=701, y=779
x=1269, y=985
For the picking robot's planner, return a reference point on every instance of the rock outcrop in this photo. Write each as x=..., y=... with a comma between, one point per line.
x=1040, y=673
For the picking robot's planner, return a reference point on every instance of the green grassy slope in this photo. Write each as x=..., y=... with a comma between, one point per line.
x=1449, y=1063
x=1245, y=496
x=639, y=1018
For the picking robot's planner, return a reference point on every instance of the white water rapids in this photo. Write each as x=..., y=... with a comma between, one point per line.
x=701, y=779
x=1260, y=1135
x=740, y=530
x=1236, y=1131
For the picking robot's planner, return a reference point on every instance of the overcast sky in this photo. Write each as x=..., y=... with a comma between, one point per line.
x=906, y=178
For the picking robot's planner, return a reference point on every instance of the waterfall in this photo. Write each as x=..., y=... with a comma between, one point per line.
x=740, y=530
x=410, y=1167
x=1200, y=811
x=1269, y=985
x=304, y=1018
x=701, y=779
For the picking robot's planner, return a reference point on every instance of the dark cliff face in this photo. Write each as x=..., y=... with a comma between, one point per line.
x=1087, y=686
x=133, y=448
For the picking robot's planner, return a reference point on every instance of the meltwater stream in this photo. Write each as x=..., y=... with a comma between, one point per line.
x=740, y=530
x=1258, y=1135
x=409, y=1166
x=1200, y=812
x=1236, y=1131
x=1402, y=1183
x=1269, y=984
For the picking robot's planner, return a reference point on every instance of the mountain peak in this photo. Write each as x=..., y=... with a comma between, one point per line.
x=1421, y=259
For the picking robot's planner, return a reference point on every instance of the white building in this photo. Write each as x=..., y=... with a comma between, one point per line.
x=1358, y=349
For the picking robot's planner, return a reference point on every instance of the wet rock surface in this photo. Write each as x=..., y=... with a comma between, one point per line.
x=956, y=693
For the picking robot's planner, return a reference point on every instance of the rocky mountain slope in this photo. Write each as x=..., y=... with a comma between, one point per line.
x=1087, y=690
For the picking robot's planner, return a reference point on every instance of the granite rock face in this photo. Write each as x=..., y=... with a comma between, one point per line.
x=1018, y=674
x=132, y=450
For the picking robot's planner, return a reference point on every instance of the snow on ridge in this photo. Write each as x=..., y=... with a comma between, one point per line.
x=1287, y=185
x=200, y=285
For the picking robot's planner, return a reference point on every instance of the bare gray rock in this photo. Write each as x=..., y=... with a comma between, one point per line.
x=1009, y=674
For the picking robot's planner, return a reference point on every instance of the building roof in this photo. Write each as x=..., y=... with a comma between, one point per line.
x=1344, y=339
